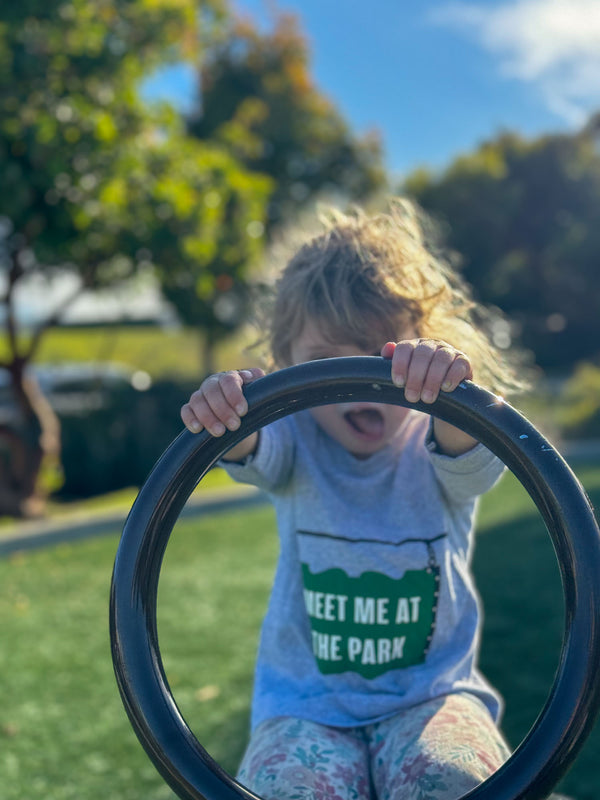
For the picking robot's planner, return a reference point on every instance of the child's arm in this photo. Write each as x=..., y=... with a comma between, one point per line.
x=218, y=405
x=424, y=367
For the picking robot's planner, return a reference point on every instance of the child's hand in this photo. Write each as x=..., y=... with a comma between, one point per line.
x=219, y=403
x=426, y=366
x=423, y=367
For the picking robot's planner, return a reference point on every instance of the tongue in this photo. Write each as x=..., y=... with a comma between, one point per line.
x=368, y=421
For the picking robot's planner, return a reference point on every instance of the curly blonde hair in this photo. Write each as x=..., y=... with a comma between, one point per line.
x=368, y=279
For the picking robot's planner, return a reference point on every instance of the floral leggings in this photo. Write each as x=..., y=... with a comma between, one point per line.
x=438, y=750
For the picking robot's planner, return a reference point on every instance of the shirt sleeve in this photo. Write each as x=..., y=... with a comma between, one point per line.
x=270, y=466
x=466, y=476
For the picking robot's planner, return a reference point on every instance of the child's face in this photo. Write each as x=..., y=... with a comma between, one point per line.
x=362, y=428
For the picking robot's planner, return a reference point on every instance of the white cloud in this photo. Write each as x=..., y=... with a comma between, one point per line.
x=554, y=44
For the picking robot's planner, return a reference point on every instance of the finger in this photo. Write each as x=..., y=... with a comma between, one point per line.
x=387, y=351
x=442, y=360
x=249, y=375
x=190, y=420
x=422, y=357
x=401, y=357
x=217, y=394
x=459, y=370
x=204, y=415
x=231, y=385
x=197, y=415
x=211, y=407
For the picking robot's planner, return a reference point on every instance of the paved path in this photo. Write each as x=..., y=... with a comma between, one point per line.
x=43, y=533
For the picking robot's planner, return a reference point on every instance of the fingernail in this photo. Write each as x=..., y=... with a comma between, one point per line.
x=398, y=380
x=446, y=386
x=427, y=397
x=218, y=429
x=233, y=424
x=241, y=408
x=246, y=373
x=411, y=395
x=195, y=427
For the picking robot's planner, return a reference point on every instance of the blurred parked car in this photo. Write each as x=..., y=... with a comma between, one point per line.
x=74, y=388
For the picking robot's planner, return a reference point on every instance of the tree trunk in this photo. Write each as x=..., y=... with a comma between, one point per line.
x=27, y=449
x=207, y=355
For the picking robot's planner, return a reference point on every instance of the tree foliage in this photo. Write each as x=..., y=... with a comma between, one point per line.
x=258, y=97
x=259, y=104
x=96, y=183
x=100, y=185
x=525, y=218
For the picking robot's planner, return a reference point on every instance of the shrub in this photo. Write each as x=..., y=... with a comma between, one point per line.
x=113, y=440
x=578, y=411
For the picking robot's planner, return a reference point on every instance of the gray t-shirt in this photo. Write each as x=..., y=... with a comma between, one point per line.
x=373, y=607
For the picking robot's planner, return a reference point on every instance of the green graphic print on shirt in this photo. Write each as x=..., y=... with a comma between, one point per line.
x=373, y=623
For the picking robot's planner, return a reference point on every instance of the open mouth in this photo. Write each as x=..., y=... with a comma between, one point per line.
x=366, y=422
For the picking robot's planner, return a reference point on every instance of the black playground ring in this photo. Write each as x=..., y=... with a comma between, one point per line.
x=574, y=700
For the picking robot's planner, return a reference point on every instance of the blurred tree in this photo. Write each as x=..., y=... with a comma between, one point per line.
x=578, y=405
x=257, y=96
x=524, y=217
x=96, y=184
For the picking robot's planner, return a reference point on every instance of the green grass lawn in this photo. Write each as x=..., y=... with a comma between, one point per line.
x=159, y=351
x=63, y=731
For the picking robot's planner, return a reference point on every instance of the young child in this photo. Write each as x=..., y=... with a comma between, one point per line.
x=366, y=683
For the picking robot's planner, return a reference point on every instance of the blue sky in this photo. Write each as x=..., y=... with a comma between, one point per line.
x=435, y=77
